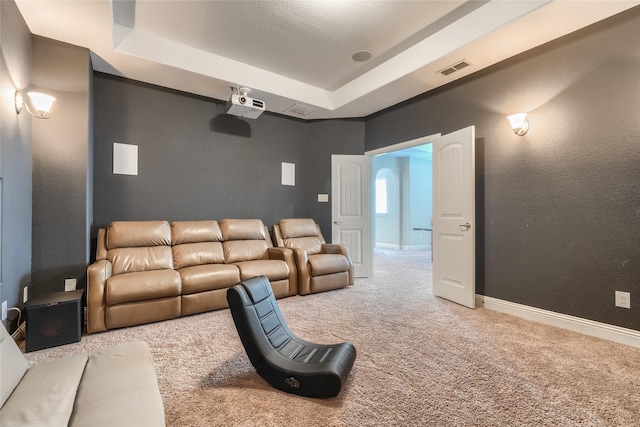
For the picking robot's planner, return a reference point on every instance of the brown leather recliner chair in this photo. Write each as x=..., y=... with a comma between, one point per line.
x=321, y=266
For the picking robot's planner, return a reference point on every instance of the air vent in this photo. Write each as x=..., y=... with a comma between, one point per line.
x=455, y=67
x=300, y=110
x=460, y=65
x=258, y=103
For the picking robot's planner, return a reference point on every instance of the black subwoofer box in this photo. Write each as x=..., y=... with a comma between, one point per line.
x=54, y=319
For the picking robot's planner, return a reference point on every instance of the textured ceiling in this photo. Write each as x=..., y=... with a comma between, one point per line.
x=313, y=41
x=299, y=53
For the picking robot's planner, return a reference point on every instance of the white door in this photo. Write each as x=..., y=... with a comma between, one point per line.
x=454, y=217
x=350, y=209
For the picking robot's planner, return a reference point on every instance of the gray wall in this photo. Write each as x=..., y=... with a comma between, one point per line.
x=325, y=138
x=15, y=156
x=420, y=202
x=558, y=210
x=195, y=162
x=61, y=166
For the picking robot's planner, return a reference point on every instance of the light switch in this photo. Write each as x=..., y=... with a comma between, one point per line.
x=323, y=198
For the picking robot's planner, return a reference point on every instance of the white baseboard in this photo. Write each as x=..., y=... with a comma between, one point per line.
x=403, y=247
x=577, y=324
x=415, y=247
x=387, y=245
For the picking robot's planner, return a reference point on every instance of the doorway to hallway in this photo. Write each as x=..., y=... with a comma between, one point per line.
x=402, y=215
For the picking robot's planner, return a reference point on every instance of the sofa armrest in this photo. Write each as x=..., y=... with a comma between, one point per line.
x=286, y=255
x=119, y=388
x=45, y=396
x=332, y=248
x=304, y=272
x=97, y=275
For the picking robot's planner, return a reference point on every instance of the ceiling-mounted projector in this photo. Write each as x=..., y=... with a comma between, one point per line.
x=240, y=104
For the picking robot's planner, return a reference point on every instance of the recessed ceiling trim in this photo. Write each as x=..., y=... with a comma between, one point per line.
x=479, y=22
x=164, y=51
x=476, y=24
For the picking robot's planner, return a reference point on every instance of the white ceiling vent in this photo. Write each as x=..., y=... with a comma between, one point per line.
x=300, y=110
x=455, y=67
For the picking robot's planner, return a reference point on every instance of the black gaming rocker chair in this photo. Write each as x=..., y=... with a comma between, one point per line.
x=280, y=358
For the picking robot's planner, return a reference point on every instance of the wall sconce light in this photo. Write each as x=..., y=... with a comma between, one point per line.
x=41, y=102
x=519, y=123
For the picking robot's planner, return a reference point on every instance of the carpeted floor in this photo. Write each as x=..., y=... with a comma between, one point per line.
x=422, y=361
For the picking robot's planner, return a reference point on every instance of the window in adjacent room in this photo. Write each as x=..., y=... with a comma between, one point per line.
x=381, y=196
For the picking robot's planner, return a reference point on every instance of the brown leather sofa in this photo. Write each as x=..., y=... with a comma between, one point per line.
x=147, y=271
x=321, y=266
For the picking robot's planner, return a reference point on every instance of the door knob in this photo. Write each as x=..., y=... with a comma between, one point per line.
x=337, y=222
x=465, y=227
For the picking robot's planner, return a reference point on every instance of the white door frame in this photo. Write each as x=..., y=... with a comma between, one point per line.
x=370, y=155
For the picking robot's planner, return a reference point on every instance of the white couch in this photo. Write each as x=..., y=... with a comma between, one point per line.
x=116, y=386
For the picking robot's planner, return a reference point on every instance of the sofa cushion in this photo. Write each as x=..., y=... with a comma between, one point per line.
x=274, y=269
x=244, y=250
x=46, y=394
x=311, y=245
x=119, y=388
x=300, y=233
x=196, y=243
x=143, y=285
x=13, y=365
x=129, y=260
x=298, y=227
x=127, y=234
x=244, y=240
x=202, y=278
x=190, y=254
x=242, y=229
x=195, y=232
x=327, y=264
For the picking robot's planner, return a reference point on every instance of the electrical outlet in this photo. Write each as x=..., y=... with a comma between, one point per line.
x=623, y=299
x=4, y=311
x=25, y=294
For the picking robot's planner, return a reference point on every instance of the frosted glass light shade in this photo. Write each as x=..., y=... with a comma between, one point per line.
x=519, y=123
x=41, y=102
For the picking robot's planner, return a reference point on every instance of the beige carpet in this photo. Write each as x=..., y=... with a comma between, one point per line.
x=422, y=361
